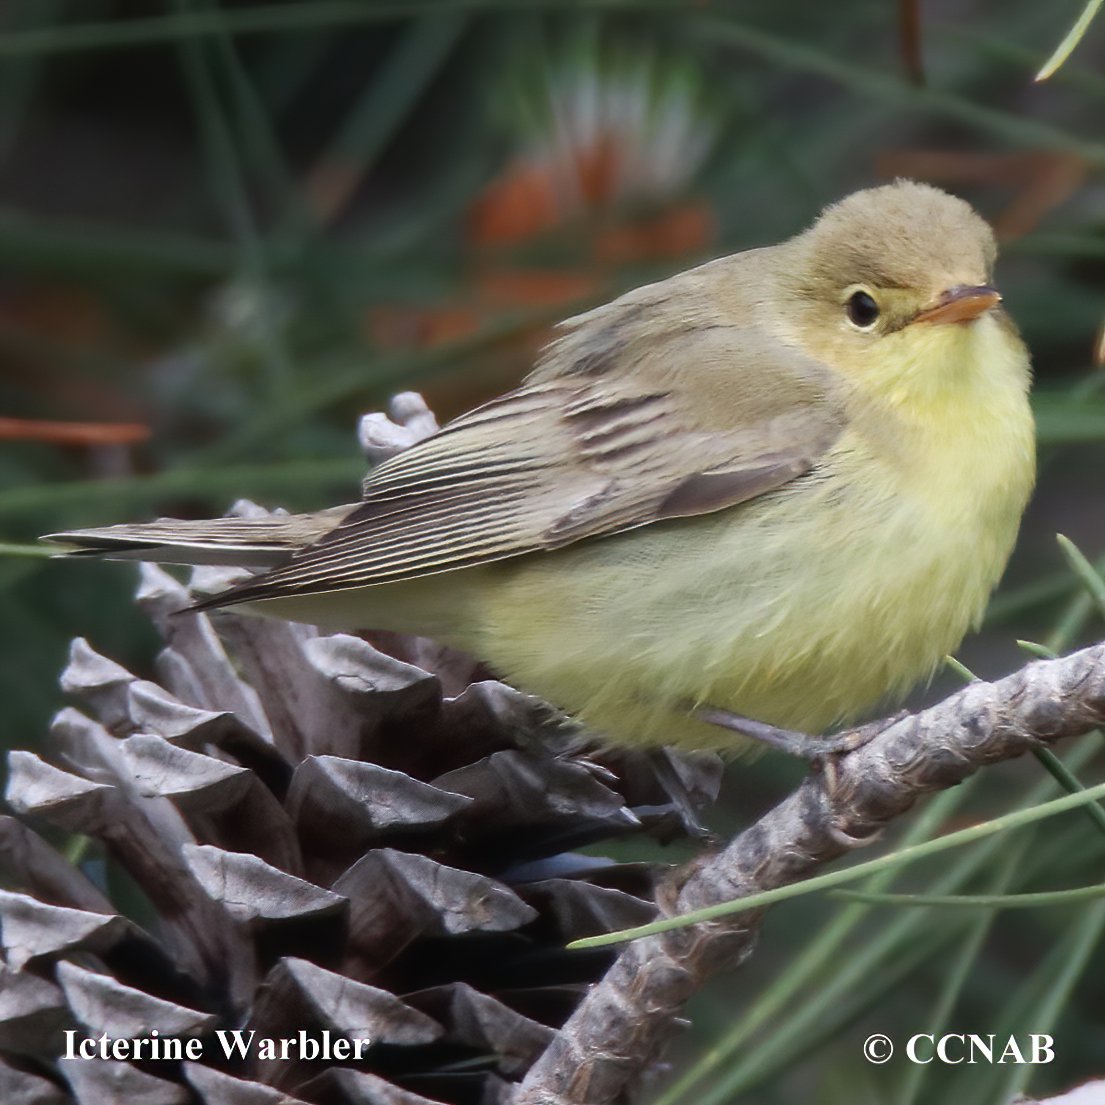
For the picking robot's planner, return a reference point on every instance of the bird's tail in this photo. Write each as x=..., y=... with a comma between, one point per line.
x=257, y=542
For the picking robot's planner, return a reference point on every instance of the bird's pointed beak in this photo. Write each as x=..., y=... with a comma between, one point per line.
x=963, y=303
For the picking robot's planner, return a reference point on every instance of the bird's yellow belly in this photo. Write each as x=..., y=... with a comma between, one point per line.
x=801, y=609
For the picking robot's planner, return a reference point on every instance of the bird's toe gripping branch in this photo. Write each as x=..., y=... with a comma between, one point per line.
x=817, y=750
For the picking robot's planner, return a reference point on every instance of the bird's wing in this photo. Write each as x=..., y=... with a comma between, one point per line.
x=580, y=452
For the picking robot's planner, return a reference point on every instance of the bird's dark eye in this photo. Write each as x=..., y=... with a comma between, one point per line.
x=862, y=310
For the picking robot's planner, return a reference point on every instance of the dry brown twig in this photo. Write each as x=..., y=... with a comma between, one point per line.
x=626, y=1019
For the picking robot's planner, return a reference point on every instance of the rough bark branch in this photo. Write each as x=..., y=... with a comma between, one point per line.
x=624, y=1022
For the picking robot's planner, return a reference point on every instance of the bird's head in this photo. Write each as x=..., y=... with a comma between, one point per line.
x=894, y=285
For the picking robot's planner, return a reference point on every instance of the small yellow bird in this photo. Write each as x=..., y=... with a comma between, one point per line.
x=782, y=484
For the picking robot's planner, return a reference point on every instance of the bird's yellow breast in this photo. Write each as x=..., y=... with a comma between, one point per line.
x=803, y=607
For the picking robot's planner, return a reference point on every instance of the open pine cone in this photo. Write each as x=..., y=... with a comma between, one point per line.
x=304, y=833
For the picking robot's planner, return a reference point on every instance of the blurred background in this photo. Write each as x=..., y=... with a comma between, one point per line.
x=229, y=228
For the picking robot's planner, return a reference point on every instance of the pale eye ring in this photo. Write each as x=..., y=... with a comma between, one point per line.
x=862, y=309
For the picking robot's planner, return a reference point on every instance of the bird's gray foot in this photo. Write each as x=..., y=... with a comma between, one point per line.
x=802, y=745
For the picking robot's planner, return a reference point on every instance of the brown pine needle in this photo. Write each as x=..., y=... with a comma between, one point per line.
x=73, y=433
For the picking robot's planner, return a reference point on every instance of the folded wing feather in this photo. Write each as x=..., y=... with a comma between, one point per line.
x=579, y=453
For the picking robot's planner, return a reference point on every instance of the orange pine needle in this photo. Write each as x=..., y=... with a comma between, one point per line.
x=73, y=433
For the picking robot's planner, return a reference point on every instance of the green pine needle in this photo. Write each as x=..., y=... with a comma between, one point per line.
x=960, y=669
x=1033, y=900
x=1072, y=38
x=1087, y=574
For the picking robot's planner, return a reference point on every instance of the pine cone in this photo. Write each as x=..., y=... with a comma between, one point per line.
x=306, y=834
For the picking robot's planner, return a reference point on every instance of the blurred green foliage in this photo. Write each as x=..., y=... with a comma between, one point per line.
x=243, y=224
